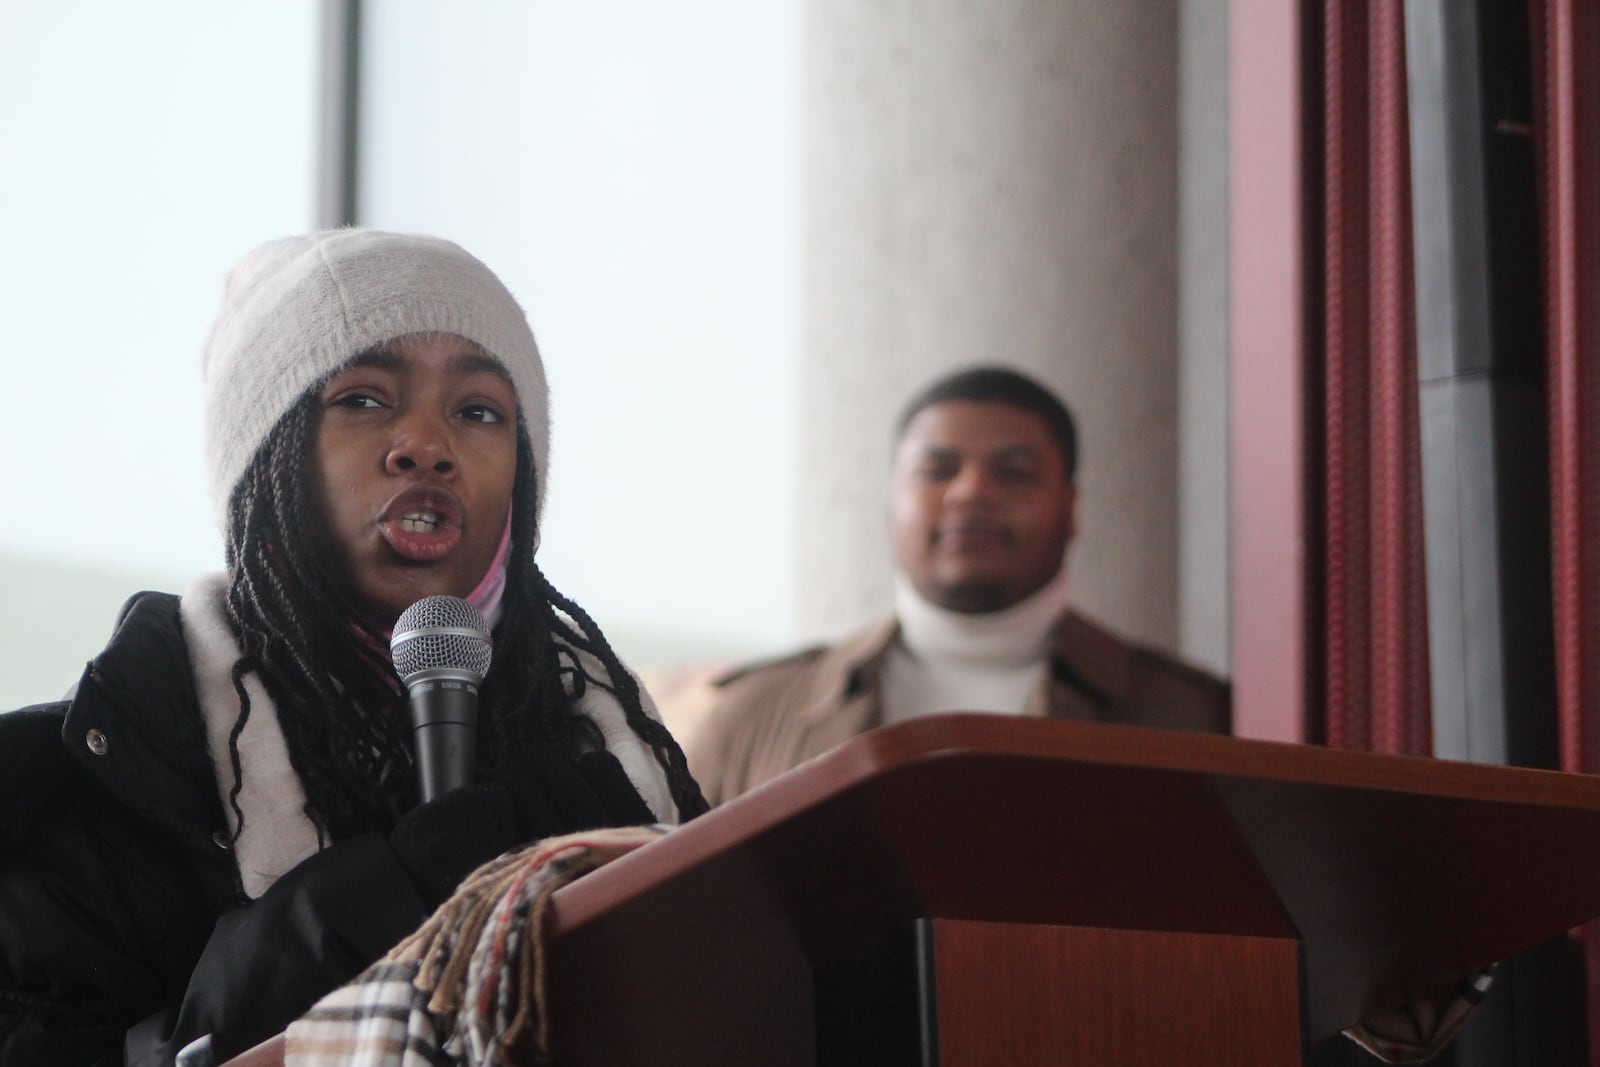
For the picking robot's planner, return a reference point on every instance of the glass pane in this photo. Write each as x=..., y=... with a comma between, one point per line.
x=147, y=146
x=630, y=169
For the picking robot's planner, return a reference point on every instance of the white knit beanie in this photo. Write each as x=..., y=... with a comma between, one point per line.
x=297, y=309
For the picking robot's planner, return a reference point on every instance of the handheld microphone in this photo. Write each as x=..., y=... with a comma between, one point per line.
x=441, y=651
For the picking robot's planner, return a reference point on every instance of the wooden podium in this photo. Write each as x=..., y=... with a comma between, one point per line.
x=974, y=889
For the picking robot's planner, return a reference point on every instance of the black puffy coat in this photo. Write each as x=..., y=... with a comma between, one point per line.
x=124, y=934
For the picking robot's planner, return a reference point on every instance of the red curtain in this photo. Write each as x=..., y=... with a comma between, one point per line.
x=1566, y=46
x=1362, y=630
x=1369, y=594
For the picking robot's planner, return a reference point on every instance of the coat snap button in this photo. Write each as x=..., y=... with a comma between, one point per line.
x=97, y=741
x=222, y=840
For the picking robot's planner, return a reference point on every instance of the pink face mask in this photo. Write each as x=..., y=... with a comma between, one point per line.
x=486, y=597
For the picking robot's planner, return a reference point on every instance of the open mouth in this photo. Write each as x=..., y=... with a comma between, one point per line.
x=421, y=522
x=422, y=525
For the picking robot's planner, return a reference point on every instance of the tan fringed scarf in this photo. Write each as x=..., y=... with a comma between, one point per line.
x=469, y=986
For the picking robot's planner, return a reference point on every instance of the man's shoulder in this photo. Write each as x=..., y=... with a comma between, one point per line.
x=1140, y=682
x=698, y=698
x=767, y=715
x=1179, y=670
x=789, y=668
x=776, y=669
x=1078, y=635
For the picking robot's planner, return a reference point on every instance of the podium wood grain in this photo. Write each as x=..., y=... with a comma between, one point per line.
x=1076, y=861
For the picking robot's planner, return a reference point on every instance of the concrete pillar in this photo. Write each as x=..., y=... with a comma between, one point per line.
x=1203, y=570
x=991, y=181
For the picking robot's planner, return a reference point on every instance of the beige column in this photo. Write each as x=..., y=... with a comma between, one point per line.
x=990, y=181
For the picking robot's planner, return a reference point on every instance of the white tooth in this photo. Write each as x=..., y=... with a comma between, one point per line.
x=419, y=522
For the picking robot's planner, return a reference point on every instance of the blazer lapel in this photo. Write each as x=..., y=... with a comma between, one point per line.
x=1090, y=670
x=845, y=698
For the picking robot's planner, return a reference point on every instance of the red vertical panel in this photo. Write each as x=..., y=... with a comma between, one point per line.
x=1267, y=351
x=1374, y=587
x=1566, y=53
x=1345, y=389
x=1401, y=719
x=1566, y=37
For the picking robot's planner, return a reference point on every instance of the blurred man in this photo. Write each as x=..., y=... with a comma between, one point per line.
x=983, y=507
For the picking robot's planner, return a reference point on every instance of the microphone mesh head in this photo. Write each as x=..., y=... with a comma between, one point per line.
x=441, y=632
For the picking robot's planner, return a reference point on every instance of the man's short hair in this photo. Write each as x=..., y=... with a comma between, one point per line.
x=1002, y=385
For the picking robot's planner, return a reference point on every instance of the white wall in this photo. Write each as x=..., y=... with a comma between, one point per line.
x=147, y=146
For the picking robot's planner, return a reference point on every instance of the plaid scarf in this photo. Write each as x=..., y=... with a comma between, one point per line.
x=468, y=987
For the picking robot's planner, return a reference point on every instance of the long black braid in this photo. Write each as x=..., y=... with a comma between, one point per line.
x=341, y=708
x=548, y=672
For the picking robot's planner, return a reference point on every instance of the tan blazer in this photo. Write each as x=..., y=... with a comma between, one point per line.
x=771, y=716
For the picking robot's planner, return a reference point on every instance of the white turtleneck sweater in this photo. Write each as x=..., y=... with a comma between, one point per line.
x=948, y=661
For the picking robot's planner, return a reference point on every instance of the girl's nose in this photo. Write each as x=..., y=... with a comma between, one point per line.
x=421, y=443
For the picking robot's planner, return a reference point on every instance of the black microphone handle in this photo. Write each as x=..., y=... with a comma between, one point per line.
x=444, y=714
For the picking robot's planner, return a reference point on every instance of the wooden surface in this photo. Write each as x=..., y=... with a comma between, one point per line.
x=1055, y=994
x=1394, y=872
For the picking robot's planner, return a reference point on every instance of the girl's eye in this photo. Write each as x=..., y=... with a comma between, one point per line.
x=356, y=400
x=481, y=413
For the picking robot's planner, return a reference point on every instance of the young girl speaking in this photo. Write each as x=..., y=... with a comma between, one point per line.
x=223, y=822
